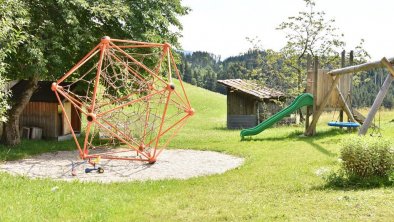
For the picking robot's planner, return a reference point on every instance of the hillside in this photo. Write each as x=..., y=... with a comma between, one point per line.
x=203, y=69
x=279, y=179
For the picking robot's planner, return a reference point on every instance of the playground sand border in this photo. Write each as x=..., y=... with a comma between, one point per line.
x=171, y=164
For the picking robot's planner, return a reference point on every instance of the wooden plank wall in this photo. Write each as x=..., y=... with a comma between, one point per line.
x=240, y=104
x=241, y=121
x=66, y=127
x=75, y=119
x=323, y=85
x=241, y=110
x=42, y=115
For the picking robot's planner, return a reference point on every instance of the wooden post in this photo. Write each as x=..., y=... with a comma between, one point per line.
x=314, y=108
x=339, y=91
x=379, y=98
x=350, y=93
x=351, y=59
x=345, y=106
x=308, y=109
x=320, y=109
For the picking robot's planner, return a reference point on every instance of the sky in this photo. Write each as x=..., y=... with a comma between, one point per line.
x=221, y=26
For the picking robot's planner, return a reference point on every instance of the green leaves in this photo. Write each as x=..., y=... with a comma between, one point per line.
x=367, y=156
x=309, y=33
x=58, y=33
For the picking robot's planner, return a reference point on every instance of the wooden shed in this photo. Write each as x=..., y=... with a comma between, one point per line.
x=44, y=112
x=249, y=103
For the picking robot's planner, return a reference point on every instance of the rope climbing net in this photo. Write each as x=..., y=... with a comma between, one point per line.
x=125, y=91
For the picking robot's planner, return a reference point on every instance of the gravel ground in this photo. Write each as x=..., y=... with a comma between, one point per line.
x=171, y=164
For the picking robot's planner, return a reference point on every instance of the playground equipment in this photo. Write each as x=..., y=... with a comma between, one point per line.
x=302, y=100
x=344, y=124
x=335, y=76
x=327, y=91
x=126, y=92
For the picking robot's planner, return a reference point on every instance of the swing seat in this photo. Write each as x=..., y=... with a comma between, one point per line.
x=344, y=124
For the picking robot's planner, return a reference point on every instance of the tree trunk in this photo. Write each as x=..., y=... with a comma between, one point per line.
x=19, y=100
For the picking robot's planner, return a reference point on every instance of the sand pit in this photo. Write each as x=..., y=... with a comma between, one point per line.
x=171, y=164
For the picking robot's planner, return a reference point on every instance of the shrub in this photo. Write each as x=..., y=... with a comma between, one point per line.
x=367, y=157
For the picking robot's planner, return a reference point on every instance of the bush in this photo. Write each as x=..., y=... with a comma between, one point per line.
x=367, y=157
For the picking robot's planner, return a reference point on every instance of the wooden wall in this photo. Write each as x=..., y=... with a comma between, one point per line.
x=239, y=103
x=241, y=110
x=66, y=127
x=323, y=85
x=43, y=115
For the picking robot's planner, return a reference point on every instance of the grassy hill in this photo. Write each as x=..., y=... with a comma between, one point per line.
x=278, y=181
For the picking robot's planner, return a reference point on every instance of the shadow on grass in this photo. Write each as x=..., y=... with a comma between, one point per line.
x=33, y=147
x=320, y=148
x=337, y=181
x=224, y=128
x=299, y=135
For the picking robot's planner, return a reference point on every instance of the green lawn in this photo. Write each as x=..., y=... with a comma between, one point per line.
x=278, y=180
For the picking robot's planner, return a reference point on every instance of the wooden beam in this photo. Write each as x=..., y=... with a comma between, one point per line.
x=345, y=106
x=343, y=64
x=358, y=68
x=321, y=107
x=315, y=81
x=376, y=104
x=388, y=65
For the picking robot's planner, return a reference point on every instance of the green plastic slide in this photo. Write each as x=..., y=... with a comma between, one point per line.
x=305, y=99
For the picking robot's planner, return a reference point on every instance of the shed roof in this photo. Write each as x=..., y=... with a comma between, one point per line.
x=252, y=88
x=43, y=93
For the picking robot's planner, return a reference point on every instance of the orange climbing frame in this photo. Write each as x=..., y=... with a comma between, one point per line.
x=127, y=93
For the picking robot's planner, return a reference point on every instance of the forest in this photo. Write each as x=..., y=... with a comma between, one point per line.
x=203, y=69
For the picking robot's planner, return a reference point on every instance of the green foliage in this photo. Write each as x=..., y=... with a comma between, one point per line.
x=59, y=33
x=41, y=40
x=4, y=94
x=13, y=19
x=367, y=157
x=309, y=33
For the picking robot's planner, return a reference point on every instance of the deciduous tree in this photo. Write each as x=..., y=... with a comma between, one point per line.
x=60, y=32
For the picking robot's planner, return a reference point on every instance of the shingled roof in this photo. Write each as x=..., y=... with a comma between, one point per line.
x=252, y=88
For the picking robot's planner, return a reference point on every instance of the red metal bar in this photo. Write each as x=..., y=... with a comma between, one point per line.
x=140, y=64
x=146, y=121
x=69, y=96
x=69, y=123
x=117, y=130
x=137, y=42
x=168, y=129
x=79, y=64
x=172, y=136
x=159, y=65
x=129, y=103
x=180, y=79
x=136, y=46
x=180, y=97
x=162, y=122
x=115, y=157
x=121, y=139
x=85, y=142
x=128, y=68
x=71, y=101
x=98, y=73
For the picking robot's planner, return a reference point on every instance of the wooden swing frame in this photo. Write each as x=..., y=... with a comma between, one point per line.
x=336, y=75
